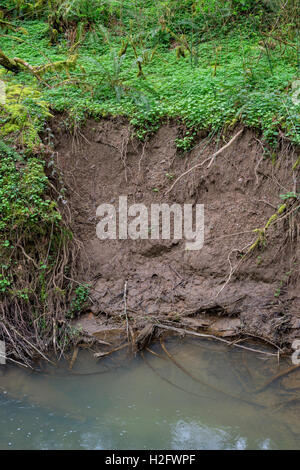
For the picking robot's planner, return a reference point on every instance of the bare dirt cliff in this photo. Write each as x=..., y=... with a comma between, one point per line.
x=229, y=286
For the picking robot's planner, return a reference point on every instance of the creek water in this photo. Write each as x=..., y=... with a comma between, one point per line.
x=194, y=395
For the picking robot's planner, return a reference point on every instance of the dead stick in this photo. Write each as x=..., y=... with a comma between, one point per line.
x=32, y=345
x=125, y=309
x=74, y=357
x=103, y=354
x=202, y=335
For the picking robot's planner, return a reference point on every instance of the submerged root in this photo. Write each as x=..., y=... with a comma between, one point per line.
x=170, y=382
x=215, y=389
x=284, y=404
x=276, y=377
x=155, y=354
x=74, y=357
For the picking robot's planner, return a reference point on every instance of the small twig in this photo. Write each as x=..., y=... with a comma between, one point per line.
x=15, y=362
x=32, y=345
x=256, y=168
x=268, y=204
x=107, y=353
x=125, y=309
x=224, y=147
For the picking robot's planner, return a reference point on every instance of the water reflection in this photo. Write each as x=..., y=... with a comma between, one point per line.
x=201, y=396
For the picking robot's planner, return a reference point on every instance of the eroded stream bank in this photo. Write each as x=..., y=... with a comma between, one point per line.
x=224, y=287
x=187, y=394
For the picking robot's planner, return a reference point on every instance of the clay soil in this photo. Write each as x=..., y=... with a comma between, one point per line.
x=164, y=282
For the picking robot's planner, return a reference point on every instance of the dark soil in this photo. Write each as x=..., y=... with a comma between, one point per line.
x=240, y=192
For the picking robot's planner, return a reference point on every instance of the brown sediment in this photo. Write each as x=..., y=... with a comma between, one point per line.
x=218, y=289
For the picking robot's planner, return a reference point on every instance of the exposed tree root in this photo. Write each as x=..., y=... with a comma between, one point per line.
x=33, y=310
x=210, y=159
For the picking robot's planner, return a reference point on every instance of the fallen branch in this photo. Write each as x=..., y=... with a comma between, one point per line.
x=9, y=64
x=16, y=65
x=107, y=353
x=203, y=335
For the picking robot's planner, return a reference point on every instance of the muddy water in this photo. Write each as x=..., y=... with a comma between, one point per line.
x=208, y=399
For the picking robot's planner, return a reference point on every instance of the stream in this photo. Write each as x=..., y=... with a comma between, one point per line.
x=188, y=394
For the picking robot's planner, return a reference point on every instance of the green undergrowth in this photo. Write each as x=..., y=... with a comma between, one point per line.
x=157, y=60
x=27, y=214
x=22, y=115
x=35, y=293
x=23, y=184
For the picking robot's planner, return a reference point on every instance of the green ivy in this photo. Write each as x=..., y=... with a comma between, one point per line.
x=81, y=296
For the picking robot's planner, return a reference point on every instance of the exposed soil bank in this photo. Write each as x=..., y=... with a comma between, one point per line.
x=240, y=192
